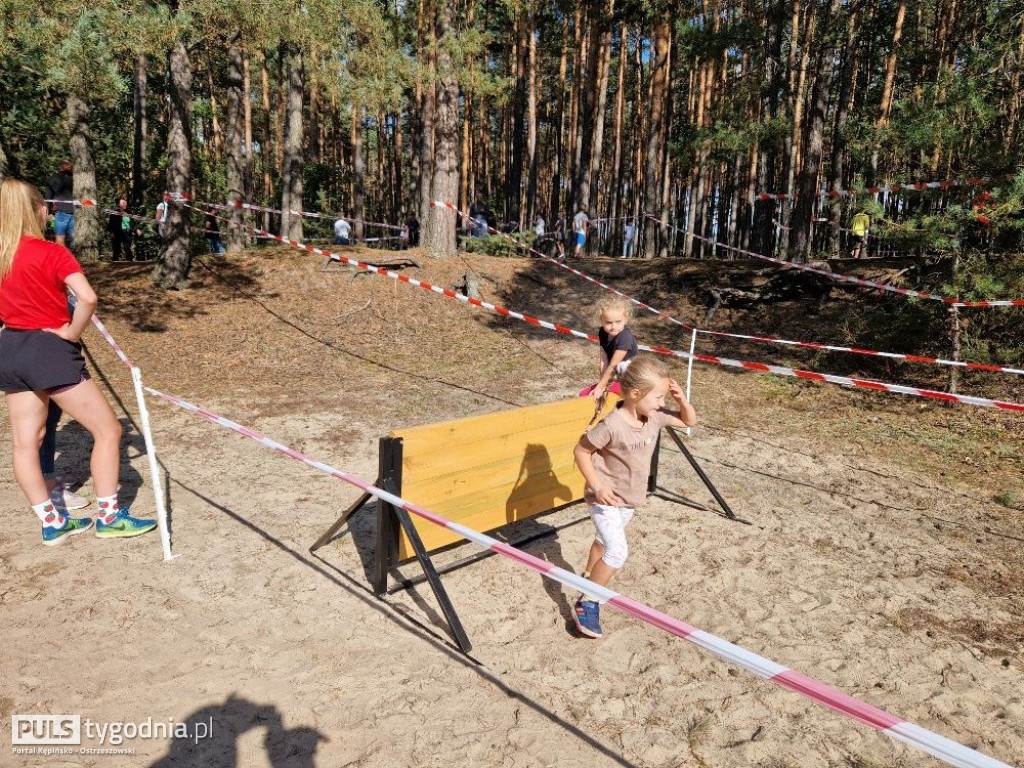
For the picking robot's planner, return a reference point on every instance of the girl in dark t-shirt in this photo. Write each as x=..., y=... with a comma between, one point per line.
x=618, y=346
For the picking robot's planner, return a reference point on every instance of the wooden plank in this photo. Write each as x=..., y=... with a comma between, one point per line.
x=535, y=448
x=487, y=471
x=481, y=428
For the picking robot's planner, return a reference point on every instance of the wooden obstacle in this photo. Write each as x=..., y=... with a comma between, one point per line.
x=488, y=471
x=483, y=472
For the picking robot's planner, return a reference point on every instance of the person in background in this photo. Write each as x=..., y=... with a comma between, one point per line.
x=211, y=229
x=342, y=229
x=580, y=226
x=538, y=226
x=478, y=215
x=412, y=226
x=560, y=235
x=161, y=217
x=61, y=186
x=630, y=239
x=859, y=226
x=122, y=230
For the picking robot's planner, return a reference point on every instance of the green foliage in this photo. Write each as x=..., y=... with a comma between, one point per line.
x=1009, y=499
x=494, y=245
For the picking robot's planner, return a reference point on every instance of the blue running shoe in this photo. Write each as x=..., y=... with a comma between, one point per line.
x=53, y=537
x=123, y=526
x=587, y=615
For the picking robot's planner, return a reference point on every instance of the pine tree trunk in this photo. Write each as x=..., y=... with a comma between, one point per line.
x=844, y=102
x=176, y=259
x=617, y=180
x=517, y=136
x=799, y=99
x=572, y=140
x=217, y=137
x=234, y=135
x=555, y=201
x=604, y=56
x=313, y=129
x=247, y=115
x=653, y=181
x=439, y=233
x=890, y=77
x=529, y=203
x=954, y=330
x=615, y=197
x=87, y=227
x=291, y=178
x=358, y=170
x=139, y=133
x=1016, y=98
x=763, y=236
x=399, y=182
x=427, y=108
x=267, y=151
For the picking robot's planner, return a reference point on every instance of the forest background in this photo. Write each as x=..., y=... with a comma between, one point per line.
x=687, y=112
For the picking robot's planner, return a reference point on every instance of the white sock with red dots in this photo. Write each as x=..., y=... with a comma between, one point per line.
x=48, y=514
x=107, y=508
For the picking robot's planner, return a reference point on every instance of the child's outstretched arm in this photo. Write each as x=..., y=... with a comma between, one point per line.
x=687, y=416
x=602, y=494
x=608, y=371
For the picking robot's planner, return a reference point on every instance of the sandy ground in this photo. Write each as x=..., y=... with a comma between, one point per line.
x=877, y=560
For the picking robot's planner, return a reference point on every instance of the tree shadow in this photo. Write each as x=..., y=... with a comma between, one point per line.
x=213, y=731
x=150, y=310
x=74, y=448
x=240, y=287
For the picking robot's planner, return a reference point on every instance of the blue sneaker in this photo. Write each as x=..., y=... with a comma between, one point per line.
x=53, y=537
x=587, y=615
x=123, y=526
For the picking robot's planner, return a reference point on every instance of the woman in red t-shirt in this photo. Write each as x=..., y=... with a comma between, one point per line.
x=41, y=359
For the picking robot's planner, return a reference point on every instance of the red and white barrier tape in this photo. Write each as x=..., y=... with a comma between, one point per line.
x=304, y=214
x=110, y=340
x=846, y=278
x=761, y=367
x=83, y=202
x=895, y=727
x=918, y=186
x=765, y=339
x=854, y=350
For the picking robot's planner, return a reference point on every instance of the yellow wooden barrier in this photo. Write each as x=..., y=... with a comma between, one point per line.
x=491, y=470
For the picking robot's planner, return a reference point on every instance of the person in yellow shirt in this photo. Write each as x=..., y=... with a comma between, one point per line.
x=859, y=226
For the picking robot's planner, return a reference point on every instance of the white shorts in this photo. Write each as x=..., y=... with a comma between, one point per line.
x=610, y=524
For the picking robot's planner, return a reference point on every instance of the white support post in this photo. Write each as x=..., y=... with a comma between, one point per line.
x=154, y=469
x=689, y=370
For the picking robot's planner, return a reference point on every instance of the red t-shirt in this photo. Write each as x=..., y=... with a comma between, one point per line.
x=32, y=295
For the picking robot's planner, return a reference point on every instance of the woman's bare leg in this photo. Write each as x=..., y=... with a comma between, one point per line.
x=85, y=404
x=27, y=412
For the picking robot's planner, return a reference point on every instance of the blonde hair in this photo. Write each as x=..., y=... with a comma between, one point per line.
x=615, y=302
x=19, y=215
x=643, y=374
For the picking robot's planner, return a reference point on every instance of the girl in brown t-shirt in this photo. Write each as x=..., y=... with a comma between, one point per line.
x=615, y=458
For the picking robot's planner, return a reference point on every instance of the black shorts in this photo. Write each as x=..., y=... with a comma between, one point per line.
x=38, y=361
